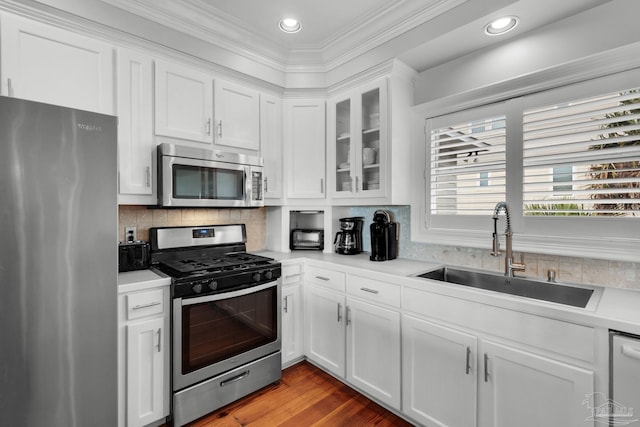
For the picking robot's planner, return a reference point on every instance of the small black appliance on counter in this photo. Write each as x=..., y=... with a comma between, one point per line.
x=309, y=239
x=384, y=237
x=133, y=256
x=348, y=240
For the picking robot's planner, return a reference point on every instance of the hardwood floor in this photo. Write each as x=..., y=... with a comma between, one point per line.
x=305, y=396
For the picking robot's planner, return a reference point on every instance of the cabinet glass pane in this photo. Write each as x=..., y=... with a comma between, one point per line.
x=370, y=140
x=343, y=145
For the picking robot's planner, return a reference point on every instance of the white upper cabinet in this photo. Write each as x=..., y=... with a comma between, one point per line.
x=237, y=116
x=47, y=64
x=136, y=146
x=369, y=141
x=184, y=103
x=271, y=146
x=357, y=142
x=304, y=145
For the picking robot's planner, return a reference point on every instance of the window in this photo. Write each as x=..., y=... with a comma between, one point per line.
x=591, y=146
x=567, y=162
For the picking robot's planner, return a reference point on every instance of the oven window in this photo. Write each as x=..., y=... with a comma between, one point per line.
x=215, y=331
x=196, y=182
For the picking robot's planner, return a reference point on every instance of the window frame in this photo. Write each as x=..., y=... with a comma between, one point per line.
x=606, y=237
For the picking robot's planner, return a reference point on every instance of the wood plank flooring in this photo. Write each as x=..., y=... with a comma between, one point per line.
x=305, y=396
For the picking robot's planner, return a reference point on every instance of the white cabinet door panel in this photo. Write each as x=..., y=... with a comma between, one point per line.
x=237, y=116
x=324, y=329
x=47, y=64
x=184, y=103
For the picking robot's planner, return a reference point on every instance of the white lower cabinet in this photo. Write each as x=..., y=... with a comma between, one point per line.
x=439, y=374
x=324, y=329
x=145, y=379
x=292, y=321
x=351, y=337
x=455, y=378
x=519, y=388
x=373, y=350
x=144, y=356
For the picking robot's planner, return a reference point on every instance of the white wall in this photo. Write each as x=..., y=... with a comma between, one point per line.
x=601, y=29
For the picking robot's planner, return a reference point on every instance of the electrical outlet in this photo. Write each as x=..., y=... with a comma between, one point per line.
x=130, y=234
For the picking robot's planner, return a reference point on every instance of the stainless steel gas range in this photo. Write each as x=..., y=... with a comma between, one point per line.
x=226, y=331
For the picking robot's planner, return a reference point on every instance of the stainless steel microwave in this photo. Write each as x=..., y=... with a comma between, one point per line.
x=196, y=177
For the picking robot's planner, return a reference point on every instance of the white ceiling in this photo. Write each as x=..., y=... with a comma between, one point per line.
x=422, y=33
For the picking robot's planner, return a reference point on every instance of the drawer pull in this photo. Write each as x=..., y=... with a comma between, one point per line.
x=289, y=276
x=371, y=291
x=326, y=279
x=234, y=379
x=151, y=304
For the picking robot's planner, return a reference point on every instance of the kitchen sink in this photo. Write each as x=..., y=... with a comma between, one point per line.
x=524, y=287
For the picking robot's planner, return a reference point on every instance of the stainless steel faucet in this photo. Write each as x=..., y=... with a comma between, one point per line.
x=509, y=265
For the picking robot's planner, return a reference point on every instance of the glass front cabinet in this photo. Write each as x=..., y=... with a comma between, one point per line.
x=357, y=142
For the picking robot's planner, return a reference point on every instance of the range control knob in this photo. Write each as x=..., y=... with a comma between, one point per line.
x=213, y=285
x=268, y=274
x=256, y=276
x=197, y=288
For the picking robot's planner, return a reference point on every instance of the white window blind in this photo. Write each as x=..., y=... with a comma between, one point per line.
x=468, y=167
x=591, y=146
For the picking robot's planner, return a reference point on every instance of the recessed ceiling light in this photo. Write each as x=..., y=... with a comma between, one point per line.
x=290, y=25
x=501, y=25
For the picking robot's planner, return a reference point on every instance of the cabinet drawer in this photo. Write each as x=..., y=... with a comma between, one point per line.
x=144, y=304
x=291, y=273
x=324, y=277
x=374, y=290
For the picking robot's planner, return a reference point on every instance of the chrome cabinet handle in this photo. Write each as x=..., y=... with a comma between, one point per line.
x=468, y=360
x=289, y=276
x=371, y=291
x=207, y=127
x=234, y=379
x=356, y=184
x=159, y=332
x=9, y=88
x=220, y=129
x=486, y=368
x=339, y=312
x=151, y=304
x=286, y=304
x=148, y=176
x=266, y=187
x=326, y=279
x=322, y=185
x=348, y=315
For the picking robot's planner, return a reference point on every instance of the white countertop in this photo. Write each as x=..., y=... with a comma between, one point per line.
x=617, y=308
x=138, y=280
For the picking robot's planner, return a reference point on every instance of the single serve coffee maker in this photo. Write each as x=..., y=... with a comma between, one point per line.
x=348, y=240
x=384, y=237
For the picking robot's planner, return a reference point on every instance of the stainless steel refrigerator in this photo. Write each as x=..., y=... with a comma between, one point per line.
x=58, y=266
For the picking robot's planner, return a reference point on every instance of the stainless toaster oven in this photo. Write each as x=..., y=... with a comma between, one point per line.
x=307, y=239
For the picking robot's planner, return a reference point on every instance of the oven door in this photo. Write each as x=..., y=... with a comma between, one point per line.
x=216, y=333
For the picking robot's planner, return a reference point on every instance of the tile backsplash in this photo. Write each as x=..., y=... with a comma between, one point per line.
x=567, y=269
x=144, y=218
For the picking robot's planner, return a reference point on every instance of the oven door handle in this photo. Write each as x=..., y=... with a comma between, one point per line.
x=227, y=295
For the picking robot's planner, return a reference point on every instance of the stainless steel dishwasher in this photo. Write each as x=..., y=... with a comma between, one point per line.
x=624, y=393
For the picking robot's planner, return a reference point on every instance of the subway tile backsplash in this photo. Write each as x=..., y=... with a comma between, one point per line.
x=144, y=218
x=567, y=269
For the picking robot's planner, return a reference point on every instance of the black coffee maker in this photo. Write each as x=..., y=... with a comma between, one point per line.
x=348, y=240
x=384, y=237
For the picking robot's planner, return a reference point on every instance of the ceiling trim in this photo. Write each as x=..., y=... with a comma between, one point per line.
x=225, y=31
